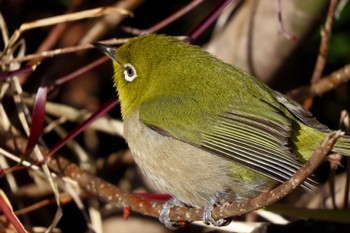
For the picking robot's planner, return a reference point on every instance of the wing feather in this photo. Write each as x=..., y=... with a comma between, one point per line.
x=254, y=134
x=257, y=140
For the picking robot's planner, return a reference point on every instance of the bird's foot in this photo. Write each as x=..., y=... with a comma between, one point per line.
x=164, y=213
x=213, y=202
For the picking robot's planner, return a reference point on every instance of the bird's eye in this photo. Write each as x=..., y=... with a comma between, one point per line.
x=129, y=72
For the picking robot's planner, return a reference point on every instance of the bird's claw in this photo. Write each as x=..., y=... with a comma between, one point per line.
x=164, y=213
x=208, y=219
x=207, y=216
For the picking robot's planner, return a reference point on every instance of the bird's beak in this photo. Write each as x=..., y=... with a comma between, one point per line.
x=108, y=50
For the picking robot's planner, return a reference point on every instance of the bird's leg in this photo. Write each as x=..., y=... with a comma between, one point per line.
x=213, y=202
x=164, y=213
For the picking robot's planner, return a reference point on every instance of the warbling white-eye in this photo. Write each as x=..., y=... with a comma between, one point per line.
x=205, y=131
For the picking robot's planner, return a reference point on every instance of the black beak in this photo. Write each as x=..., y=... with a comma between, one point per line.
x=106, y=49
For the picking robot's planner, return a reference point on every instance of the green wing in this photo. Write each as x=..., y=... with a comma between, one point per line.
x=257, y=137
x=254, y=134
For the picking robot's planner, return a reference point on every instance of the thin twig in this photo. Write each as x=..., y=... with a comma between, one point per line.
x=6, y=208
x=60, y=51
x=53, y=36
x=326, y=32
x=104, y=124
x=164, y=22
x=322, y=86
x=71, y=49
x=103, y=26
x=208, y=19
x=97, y=12
x=113, y=195
x=80, y=71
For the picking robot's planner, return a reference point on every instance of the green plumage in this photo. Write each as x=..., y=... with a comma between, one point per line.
x=181, y=94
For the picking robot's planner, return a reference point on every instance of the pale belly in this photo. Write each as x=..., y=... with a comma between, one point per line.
x=186, y=172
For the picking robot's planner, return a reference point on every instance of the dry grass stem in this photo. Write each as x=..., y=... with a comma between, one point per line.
x=98, y=12
x=59, y=51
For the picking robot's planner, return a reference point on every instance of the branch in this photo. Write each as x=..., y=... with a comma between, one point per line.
x=60, y=51
x=267, y=198
x=66, y=50
x=323, y=85
x=326, y=32
x=111, y=194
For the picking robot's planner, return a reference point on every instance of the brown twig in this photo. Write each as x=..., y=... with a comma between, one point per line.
x=91, y=13
x=326, y=32
x=52, y=38
x=113, y=195
x=64, y=198
x=80, y=71
x=108, y=23
x=208, y=19
x=323, y=85
x=60, y=51
x=272, y=196
x=71, y=49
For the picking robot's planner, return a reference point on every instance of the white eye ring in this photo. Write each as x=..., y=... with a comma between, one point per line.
x=129, y=72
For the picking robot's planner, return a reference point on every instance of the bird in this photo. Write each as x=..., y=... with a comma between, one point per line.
x=205, y=131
